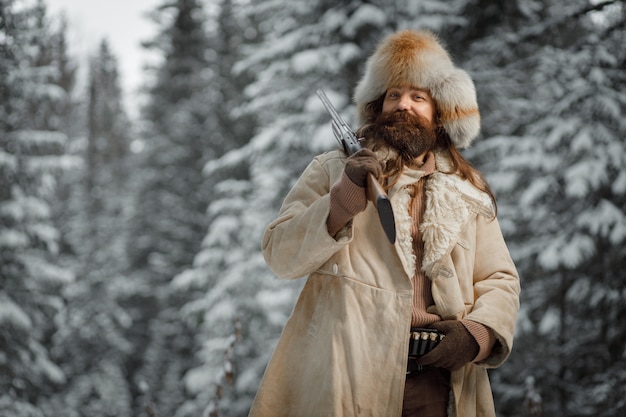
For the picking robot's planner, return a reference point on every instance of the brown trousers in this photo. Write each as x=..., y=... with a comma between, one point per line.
x=426, y=393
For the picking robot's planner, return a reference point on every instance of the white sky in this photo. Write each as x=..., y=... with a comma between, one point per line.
x=124, y=25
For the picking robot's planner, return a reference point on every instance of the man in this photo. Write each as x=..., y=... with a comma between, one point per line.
x=345, y=349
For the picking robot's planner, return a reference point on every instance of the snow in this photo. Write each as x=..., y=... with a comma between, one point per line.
x=567, y=251
x=232, y=158
x=12, y=210
x=348, y=52
x=580, y=291
x=524, y=323
x=197, y=380
x=48, y=368
x=503, y=181
x=323, y=139
x=305, y=61
x=221, y=229
x=577, y=250
x=46, y=272
x=189, y=278
x=12, y=316
x=561, y=129
x=279, y=47
x=550, y=322
x=32, y=138
x=222, y=309
x=364, y=16
x=584, y=176
x=619, y=185
x=536, y=190
x=331, y=59
x=7, y=161
x=277, y=302
x=46, y=233
x=605, y=220
x=333, y=19
x=24, y=207
x=13, y=239
x=583, y=141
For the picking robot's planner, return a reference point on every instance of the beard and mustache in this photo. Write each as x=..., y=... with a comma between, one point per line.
x=408, y=134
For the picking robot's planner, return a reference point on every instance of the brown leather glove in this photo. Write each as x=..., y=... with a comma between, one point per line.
x=455, y=350
x=359, y=164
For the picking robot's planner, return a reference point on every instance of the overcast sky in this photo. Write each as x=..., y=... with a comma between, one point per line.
x=122, y=22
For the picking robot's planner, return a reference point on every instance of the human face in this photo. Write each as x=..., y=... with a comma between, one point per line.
x=412, y=135
x=410, y=99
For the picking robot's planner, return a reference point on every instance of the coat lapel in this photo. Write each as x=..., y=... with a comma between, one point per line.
x=447, y=210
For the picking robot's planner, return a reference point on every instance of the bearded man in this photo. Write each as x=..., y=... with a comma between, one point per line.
x=350, y=346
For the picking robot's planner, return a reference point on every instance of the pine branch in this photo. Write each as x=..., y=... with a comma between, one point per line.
x=537, y=30
x=151, y=409
x=228, y=377
x=594, y=8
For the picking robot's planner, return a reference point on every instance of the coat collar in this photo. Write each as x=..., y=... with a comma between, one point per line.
x=450, y=202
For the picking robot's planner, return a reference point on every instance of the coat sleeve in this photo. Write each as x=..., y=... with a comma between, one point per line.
x=496, y=288
x=297, y=242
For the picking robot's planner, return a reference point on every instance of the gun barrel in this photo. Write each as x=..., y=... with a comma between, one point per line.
x=375, y=193
x=328, y=105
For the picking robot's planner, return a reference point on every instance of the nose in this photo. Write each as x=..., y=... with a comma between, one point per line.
x=404, y=103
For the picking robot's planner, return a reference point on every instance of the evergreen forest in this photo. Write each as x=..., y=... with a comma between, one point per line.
x=131, y=276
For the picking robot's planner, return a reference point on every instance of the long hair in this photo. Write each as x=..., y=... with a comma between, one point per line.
x=460, y=165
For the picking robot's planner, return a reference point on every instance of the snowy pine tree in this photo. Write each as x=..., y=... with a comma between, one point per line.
x=552, y=78
x=32, y=155
x=170, y=219
x=171, y=194
x=91, y=345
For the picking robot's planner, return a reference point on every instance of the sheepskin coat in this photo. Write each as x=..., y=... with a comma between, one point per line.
x=343, y=351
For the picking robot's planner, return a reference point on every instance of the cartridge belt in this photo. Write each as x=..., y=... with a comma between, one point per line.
x=421, y=341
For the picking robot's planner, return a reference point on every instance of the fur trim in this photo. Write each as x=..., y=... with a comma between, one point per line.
x=450, y=202
x=445, y=213
x=400, y=205
x=416, y=58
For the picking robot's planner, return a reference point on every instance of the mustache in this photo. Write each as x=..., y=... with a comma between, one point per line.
x=409, y=134
x=402, y=117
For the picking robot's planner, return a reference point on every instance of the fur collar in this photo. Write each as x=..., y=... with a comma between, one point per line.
x=450, y=203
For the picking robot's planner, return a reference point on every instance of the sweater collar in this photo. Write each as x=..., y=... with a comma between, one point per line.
x=412, y=175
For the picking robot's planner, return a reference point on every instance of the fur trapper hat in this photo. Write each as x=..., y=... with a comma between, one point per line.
x=416, y=58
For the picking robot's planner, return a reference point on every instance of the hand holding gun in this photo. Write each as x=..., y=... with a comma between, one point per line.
x=375, y=193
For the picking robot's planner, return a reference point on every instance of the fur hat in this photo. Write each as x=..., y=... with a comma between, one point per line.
x=416, y=58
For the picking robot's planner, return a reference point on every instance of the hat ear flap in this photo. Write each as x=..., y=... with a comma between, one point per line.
x=457, y=107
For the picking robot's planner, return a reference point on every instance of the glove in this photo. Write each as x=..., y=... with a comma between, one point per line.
x=361, y=163
x=455, y=350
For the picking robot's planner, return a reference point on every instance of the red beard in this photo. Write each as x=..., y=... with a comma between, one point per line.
x=410, y=135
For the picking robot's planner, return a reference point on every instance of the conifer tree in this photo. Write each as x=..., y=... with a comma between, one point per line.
x=553, y=102
x=32, y=155
x=169, y=217
x=92, y=344
x=107, y=156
